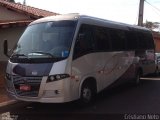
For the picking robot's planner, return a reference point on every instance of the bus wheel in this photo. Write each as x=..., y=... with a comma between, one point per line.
x=138, y=76
x=87, y=93
x=156, y=72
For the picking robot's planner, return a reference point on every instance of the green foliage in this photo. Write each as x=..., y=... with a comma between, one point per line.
x=151, y=25
x=11, y=1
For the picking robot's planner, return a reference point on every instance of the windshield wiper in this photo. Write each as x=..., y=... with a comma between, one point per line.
x=19, y=55
x=43, y=53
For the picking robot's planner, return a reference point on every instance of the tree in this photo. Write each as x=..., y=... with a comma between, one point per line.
x=151, y=25
x=11, y=1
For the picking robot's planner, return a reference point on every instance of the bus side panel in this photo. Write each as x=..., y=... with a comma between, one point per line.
x=118, y=66
x=105, y=67
x=84, y=67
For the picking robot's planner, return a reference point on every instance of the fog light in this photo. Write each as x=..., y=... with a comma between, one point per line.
x=57, y=91
x=58, y=77
x=52, y=78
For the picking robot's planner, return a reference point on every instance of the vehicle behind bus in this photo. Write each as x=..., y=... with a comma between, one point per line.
x=69, y=57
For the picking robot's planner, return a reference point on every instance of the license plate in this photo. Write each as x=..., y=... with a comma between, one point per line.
x=25, y=87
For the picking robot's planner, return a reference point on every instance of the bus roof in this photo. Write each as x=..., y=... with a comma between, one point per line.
x=76, y=16
x=57, y=18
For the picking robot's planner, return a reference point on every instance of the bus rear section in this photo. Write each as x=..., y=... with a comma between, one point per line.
x=145, y=51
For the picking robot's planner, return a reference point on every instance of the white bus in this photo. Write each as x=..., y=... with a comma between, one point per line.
x=69, y=57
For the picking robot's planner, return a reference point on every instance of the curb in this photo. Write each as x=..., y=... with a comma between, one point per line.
x=158, y=79
x=8, y=103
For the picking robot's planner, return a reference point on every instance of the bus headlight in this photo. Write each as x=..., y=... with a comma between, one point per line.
x=56, y=77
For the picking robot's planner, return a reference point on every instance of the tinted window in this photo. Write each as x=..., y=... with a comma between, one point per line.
x=118, y=39
x=145, y=40
x=84, y=43
x=92, y=38
x=101, y=38
x=131, y=40
x=149, y=40
x=141, y=40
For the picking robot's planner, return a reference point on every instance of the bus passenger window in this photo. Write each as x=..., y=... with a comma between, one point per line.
x=102, y=39
x=80, y=46
x=84, y=44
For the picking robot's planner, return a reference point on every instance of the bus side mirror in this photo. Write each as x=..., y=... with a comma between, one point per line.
x=5, y=48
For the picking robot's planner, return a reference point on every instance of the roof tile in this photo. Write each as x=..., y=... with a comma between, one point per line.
x=34, y=12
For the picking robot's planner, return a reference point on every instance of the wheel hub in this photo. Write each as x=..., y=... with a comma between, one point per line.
x=87, y=94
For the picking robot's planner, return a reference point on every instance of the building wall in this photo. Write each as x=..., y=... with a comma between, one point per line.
x=2, y=72
x=156, y=36
x=10, y=15
x=157, y=42
x=12, y=35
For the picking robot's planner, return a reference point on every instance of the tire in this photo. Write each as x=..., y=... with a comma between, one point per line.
x=87, y=93
x=156, y=72
x=138, y=76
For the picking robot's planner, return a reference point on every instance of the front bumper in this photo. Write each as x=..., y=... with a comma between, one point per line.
x=52, y=92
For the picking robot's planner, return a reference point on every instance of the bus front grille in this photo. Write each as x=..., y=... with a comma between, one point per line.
x=33, y=82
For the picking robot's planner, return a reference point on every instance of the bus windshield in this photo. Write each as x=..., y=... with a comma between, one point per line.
x=46, y=40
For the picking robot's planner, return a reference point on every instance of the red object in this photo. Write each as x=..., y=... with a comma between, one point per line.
x=25, y=87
